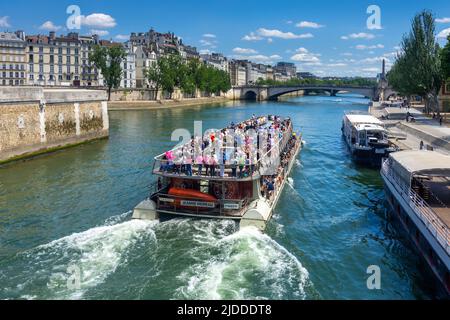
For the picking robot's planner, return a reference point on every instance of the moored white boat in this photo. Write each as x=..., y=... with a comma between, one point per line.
x=417, y=186
x=366, y=138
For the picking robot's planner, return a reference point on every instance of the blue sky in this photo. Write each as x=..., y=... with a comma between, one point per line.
x=324, y=37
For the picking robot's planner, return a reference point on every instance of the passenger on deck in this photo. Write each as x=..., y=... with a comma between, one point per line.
x=213, y=163
x=199, y=163
x=188, y=164
x=206, y=161
x=270, y=189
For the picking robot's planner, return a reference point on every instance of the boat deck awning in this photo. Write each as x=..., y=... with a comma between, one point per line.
x=363, y=118
x=422, y=162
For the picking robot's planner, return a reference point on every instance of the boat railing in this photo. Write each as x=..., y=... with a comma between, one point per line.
x=230, y=171
x=191, y=205
x=426, y=214
x=250, y=169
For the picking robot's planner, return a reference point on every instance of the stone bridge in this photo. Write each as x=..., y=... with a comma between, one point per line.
x=262, y=93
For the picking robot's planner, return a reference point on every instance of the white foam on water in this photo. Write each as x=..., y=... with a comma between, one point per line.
x=97, y=253
x=290, y=182
x=244, y=265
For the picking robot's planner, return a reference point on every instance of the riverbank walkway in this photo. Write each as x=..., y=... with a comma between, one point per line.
x=408, y=135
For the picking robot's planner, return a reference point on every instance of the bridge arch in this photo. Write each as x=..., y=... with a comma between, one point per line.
x=275, y=92
x=250, y=95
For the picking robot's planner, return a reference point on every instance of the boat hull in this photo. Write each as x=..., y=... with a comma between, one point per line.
x=370, y=158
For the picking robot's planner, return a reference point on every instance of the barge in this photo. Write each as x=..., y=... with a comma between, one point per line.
x=417, y=187
x=366, y=138
x=236, y=173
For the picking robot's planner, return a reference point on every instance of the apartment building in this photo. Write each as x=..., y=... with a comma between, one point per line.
x=216, y=60
x=61, y=61
x=129, y=67
x=238, y=72
x=145, y=57
x=286, y=69
x=12, y=58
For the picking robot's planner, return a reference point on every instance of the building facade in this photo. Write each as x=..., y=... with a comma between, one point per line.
x=216, y=60
x=286, y=69
x=238, y=72
x=12, y=59
x=61, y=61
x=163, y=44
x=145, y=57
x=129, y=67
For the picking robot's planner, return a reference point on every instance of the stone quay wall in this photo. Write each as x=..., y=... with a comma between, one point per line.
x=34, y=120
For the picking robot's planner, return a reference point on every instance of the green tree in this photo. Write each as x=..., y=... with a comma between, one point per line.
x=172, y=72
x=417, y=69
x=108, y=60
x=445, y=60
x=154, y=76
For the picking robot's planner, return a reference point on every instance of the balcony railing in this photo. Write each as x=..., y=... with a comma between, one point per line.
x=426, y=214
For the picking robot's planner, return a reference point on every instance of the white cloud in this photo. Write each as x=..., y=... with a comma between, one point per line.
x=337, y=64
x=443, y=20
x=252, y=37
x=302, y=50
x=364, y=47
x=100, y=33
x=274, y=33
x=209, y=35
x=347, y=54
x=303, y=55
x=374, y=60
x=4, y=23
x=259, y=58
x=208, y=43
x=244, y=51
x=122, y=37
x=205, y=51
x=289, y=22
x=49, y=26
x=309, y=24
x=371, y=70
x=98, y=20
x=269, y=40
x=444, y=33
x=361, y=35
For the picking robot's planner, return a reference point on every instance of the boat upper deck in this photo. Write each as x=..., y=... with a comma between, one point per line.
x=242, y=151
x=358, y=118
x=423, y=179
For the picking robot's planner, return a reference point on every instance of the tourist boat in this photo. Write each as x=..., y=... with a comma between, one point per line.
x=253, y=161
x=366, y=138
x=417, y=186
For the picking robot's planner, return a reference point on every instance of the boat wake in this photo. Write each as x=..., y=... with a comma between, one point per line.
x=204, y=259
x=246, y=264
x=89, y=256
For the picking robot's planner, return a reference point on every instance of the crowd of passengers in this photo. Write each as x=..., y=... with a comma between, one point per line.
x=271, y=183
x=238, y=147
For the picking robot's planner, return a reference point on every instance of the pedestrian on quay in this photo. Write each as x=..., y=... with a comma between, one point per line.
x=421, y=145
x=440, y=121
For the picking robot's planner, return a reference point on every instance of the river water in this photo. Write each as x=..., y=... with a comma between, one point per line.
x=66, y=216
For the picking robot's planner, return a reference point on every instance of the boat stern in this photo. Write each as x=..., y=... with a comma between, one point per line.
x=146, y=210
